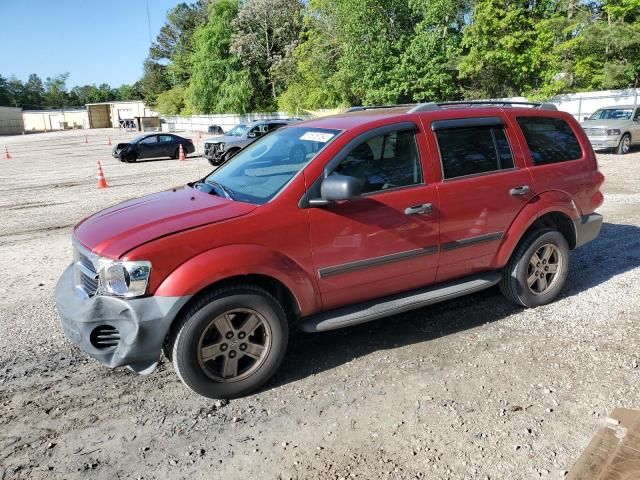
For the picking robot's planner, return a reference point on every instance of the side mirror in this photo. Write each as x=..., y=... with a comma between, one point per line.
x=335, y=188
x=585, y=118
x=252, y=135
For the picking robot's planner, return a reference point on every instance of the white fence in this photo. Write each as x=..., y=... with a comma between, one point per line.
x=200, y=123
x=583, y=104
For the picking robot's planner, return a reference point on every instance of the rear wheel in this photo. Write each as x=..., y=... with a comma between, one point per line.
x=230, y=342
x=625, y=145
x=229, y=155
x=537, y=270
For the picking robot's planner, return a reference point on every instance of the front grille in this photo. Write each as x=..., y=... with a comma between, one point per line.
x=104, y=337
x=595, y=132
x=212, y=148
x=85, y=271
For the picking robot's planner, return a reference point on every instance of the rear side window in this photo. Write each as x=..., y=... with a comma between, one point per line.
x=550, y=140
x=473, y=150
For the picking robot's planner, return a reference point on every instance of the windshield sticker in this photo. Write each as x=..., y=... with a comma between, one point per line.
x=317, y=137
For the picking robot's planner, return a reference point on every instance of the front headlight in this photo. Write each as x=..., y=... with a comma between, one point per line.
x=613, y=131
x=123, y=279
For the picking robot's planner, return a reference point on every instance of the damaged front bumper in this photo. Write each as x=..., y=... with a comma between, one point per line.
x=116, y=331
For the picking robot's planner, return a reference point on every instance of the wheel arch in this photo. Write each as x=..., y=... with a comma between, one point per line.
x=548, y=210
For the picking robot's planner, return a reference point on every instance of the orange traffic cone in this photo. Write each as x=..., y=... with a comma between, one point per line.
x=109, y=142
x=181, y=156
x=86, y=139
x=6, y=155
x=102, y=182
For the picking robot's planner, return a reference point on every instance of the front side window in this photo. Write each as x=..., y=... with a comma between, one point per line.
x=473, y=150
x=636, y=117
x=383, y=162
x=258, y=172
x=550, y=140
x=149, y=140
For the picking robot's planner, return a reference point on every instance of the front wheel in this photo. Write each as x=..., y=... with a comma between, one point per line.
x=131, y=157
x=230, y=342
x=625, y=145
x=537, y=270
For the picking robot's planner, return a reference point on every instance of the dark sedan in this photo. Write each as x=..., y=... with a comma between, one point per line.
x=153, y=145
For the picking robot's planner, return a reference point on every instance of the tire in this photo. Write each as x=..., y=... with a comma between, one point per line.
x=131, y=157
x=202, y=354
x=625, y=145
x=522, y=267
x=214, y=163
x=229, y=155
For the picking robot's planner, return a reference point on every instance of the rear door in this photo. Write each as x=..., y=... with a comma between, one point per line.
x=484, y=184
x=386, y=240
x=167, y=145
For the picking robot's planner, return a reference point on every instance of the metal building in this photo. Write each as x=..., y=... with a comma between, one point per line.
x=11, y=122
x=118, y=114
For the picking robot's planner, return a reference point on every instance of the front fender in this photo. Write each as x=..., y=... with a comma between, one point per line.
x=232, y=260
x=547, y=202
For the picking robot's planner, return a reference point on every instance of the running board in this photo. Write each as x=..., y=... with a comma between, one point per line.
x=394, y=304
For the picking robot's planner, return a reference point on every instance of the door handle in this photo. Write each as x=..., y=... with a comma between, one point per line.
x=418, y=209
x=516, y=191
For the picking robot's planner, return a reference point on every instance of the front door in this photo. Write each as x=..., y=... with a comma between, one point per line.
x=148, y=147
x=484, y=185
x=385, y=241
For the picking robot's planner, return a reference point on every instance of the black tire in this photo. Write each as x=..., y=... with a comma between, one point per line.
x=194, y=325
x=229, y=155
x=625, y=145
x=214, y=163
x=514, y=284
x=131, y=157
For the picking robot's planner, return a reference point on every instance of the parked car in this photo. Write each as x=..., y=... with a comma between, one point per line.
x=220, y=149
x=389, y=210
x=153, y=145
x=215, y=130
x=615, y=128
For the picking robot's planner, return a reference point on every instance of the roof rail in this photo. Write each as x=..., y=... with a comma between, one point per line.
x=424, y=107
x=432, y=106
x=504, y=103
x=371, y=107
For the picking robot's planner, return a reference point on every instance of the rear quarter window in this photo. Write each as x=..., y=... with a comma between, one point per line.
x=550, y=140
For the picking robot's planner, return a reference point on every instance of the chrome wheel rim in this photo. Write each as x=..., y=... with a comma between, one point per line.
x=234, y=345
x=544, y=269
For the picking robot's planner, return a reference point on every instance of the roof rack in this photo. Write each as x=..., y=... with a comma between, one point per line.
x=432, y=106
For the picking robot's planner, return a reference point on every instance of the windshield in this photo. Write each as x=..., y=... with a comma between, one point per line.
x=257, y=173
x=238, y=130
x=612, y=114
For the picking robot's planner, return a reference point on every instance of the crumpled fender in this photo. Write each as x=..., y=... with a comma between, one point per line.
x=541, y=204
x=232, y=260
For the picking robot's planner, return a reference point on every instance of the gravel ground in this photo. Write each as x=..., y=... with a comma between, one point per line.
x=474, y=388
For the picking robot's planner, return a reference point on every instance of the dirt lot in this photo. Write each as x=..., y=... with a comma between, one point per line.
x=470, y=389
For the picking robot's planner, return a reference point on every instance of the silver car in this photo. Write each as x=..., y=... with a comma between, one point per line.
x=614, y=127
x=221, y=148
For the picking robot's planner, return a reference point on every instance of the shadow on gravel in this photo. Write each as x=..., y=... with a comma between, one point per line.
x=615, y=251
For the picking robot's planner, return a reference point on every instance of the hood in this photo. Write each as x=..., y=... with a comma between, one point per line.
x=118, y=229
x=223, y=139
x=604, y=123
x=120, y=146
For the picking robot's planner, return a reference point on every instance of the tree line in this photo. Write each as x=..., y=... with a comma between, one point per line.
x=52, y=93
x=220, y=56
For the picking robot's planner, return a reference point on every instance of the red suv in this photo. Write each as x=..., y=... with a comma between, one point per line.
x=389, y=209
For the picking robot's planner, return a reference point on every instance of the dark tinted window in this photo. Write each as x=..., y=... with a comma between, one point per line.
x=550, y=140
x=473, y=150
x=148, y=140
x=166, y=138
x=383, y=162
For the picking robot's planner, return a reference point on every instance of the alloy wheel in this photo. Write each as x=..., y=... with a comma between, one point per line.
x=234, y=345
x=544, y=268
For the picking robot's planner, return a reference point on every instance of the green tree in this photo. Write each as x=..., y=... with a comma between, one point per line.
x=499, y=59
x=175, y=101
x=154, y=81
x=219, y=84
x=265, y=34
x=56, y=90
x=33, y=92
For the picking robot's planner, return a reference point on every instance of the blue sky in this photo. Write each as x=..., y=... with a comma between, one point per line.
x=95, y=41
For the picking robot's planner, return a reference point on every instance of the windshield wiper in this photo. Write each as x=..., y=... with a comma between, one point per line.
x=227, y=192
